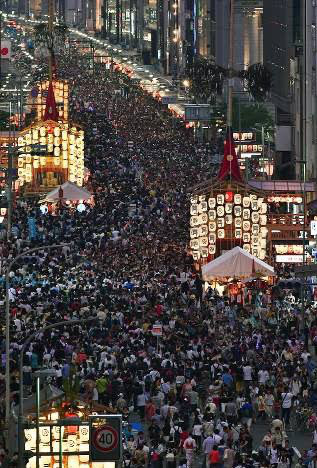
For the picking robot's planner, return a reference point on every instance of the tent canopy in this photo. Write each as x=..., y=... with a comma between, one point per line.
x=70, y=191
x=237, y=263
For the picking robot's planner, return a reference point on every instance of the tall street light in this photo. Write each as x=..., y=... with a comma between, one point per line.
x=7, y=313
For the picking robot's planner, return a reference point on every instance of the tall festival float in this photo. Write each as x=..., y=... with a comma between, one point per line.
x=227, y=213
x=51, y=149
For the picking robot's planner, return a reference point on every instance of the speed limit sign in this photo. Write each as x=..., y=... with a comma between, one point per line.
x=105, y=438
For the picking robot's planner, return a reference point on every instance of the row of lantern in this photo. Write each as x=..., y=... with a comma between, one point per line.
x=255, y=205
x=230, y=216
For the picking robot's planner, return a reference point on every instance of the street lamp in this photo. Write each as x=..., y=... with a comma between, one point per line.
x=21, y=463
x=7, y=313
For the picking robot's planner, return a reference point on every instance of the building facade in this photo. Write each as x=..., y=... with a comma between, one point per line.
x=290, y=54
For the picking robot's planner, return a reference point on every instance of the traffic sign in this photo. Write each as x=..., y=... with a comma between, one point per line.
x=157, y=330
x=105, y=438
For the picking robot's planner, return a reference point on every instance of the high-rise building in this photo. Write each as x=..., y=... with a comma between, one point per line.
x=248, y=33
x=290, y=54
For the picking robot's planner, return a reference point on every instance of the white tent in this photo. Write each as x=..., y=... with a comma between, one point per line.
x=237, y=263
x=71, y=192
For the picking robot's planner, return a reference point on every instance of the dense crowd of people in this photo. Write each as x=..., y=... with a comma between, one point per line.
x=220, y=368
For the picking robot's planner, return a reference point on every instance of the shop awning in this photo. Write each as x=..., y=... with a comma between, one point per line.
x=283, y=185
x=237, y=263
x=68, y=191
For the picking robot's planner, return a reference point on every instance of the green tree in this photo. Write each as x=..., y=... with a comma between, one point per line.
x=250, y=116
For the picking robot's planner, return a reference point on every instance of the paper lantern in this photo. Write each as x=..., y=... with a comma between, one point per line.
x=193, y=199
x=21, y=141
x=255, y=229
x=220, y=210
x=254, y=206
x=238, y=233
x=221, y=222
x=212, y=238
x=21, y=172
x=246, y=202
x=247, y=247
x=45, y=435
x=203, y=218
x=263, y=243
x=203, y=230
x=264, y=231
x=228, y=219
x=212, y=226
x=237, y=199
x=43, y=140
x=238, y=222
x=57, y=161
x=28, y=139
x=57, y=131
x=228, y=208
x=57, y=141
x=203, y=207
x=253, y=198
x=57, y=151
x=36, y=164
x=194, y=209
x=262, y=254
x=255, y=240
x=203, y=241
x=194, y=220
x=50, y=148
x=255, y=217
x=30, y=436
x=246, y=225
x=255, y=251
x=193, y=233
x=72, y=442
x=194, y=244
x=64, y=145
x=64, y=135
x=204, y=252
x=263, y=208
x=196, y=255
x=50, y=138
x=220, y=199
x=56, y=431
x=246, y=237
x=43, y=161
x=221, y=233
x=212, y=249
x=237, y=211
x=246, y=213
x=212, y=214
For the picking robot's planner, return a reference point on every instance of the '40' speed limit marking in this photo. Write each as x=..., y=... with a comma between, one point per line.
x=105, y=438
